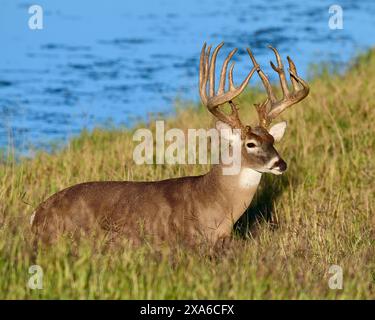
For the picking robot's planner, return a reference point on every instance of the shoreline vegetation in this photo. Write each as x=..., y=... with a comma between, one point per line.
x=322, y=209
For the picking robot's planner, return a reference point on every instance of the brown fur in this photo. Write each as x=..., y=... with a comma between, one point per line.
x=173, y=207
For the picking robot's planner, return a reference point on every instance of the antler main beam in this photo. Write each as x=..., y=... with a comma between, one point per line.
x=271, y=108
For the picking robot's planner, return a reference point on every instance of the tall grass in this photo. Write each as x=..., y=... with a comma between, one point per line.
x=323, y=205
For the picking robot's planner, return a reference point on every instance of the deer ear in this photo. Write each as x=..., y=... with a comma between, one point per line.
x=277, y=131
x=226, y=132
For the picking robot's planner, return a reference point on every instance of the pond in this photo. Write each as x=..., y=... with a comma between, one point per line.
x=100, y=64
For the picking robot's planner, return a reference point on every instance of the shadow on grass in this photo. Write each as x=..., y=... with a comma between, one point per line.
x=261, y=208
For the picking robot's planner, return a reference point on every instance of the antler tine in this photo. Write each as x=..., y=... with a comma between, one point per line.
x=230, y=77
x=212, y=69
x=263, y=108
x=280, y=70
x=295, y=79
x=263, y=77
x=234, y=113
x=213, y=101
x=202, y=74
x=292, y=69
x=224, y=72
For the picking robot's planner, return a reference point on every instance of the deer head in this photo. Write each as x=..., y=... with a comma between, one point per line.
x=257, y=143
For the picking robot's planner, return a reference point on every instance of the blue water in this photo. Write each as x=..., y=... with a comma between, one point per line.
x=104, y=63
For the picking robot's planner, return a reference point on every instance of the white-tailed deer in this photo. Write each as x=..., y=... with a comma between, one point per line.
x=189, y=207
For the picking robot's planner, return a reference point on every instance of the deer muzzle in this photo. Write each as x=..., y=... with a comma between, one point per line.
x=279, y=165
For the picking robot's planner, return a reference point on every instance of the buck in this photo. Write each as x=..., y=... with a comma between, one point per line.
x=193, y=207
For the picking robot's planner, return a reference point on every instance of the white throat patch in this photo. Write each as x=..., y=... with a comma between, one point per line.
x=249, y=178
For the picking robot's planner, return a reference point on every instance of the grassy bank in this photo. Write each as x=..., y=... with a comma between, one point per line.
x=324, y=205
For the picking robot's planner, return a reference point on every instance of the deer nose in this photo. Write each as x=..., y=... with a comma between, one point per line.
x=280, y=164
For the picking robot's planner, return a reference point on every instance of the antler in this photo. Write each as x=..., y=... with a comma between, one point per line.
x=212, y=101
x=271, y=108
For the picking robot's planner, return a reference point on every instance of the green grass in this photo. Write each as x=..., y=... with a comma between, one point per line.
x=324, y=206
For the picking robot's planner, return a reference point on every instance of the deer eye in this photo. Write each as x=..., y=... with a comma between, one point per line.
x=250, y=145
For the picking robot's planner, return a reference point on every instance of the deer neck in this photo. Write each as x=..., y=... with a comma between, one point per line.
x=237, y=190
